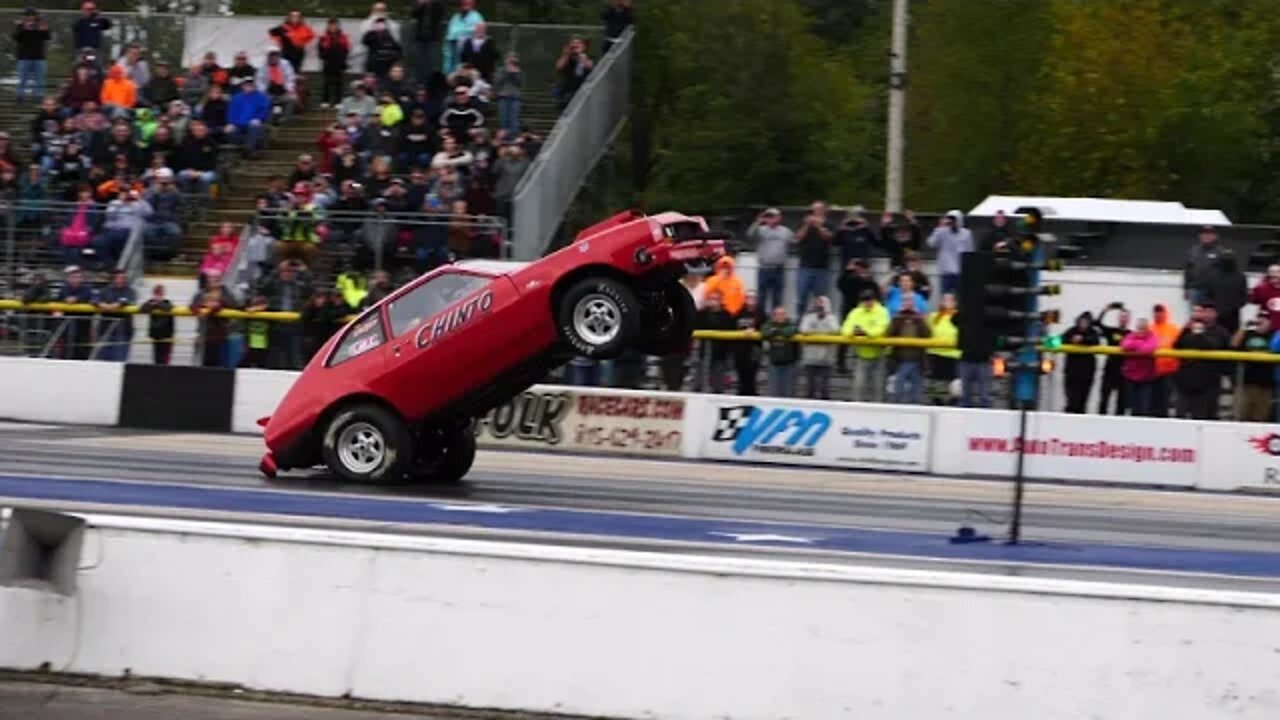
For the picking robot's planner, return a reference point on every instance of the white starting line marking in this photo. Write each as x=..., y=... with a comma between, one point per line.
x=764, y=537
x=477, y=508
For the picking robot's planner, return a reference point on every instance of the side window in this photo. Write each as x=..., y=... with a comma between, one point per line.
x=411, y=310
x=361, y=338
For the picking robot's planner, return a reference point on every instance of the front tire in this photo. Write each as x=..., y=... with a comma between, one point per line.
x=367, y=444
x=669, y=320
x=599, y=318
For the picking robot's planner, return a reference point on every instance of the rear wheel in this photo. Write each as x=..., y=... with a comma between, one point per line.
x=668, y=321
x=446, y=456
x=367, y=443
x=599, y=317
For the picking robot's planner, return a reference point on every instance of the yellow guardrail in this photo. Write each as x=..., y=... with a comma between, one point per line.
x=726, y=335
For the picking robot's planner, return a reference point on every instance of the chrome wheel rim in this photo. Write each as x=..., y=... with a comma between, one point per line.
x=597, y=319
x=361, y=447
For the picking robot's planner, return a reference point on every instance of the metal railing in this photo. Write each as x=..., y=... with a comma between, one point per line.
x=134, y=256
x=342, y=232
x=580, y=138
x=713, y=335
x=31, y=241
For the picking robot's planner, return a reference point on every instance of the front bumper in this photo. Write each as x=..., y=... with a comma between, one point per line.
x=268, y=465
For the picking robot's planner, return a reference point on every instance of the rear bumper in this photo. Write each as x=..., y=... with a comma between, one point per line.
x=690, y=251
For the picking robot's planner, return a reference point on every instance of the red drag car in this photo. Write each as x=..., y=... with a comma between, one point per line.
x=393, y=394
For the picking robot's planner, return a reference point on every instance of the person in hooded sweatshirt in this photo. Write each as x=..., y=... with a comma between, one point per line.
x=1139, y=369
x=119, y=93
x=951, y=239
x=1080, y=369
x=726, y=282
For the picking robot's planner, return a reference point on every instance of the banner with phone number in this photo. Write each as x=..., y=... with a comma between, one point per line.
x=587, y=420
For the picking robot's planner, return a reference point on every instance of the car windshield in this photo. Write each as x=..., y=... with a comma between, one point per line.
x=413, y=308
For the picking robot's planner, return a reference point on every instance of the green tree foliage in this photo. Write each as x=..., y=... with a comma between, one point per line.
x=1148, y=99
x=972, y=67
x=752, y=101
x=742, y=103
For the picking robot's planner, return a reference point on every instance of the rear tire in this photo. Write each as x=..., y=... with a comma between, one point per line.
x=668, y=321
x=367, y=443
x=448, y=457
x=599, y=317
x=459, y=456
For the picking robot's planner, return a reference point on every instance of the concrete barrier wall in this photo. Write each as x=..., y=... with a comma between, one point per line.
x=859, y=436
x=608, y=633
x=60, y=391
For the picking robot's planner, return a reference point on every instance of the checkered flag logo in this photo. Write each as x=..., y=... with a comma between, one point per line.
x=731, y=421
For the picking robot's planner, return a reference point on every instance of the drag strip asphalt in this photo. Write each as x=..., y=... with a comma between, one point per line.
x=683, y=504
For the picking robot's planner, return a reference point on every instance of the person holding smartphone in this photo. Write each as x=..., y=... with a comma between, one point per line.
x=1255, y=393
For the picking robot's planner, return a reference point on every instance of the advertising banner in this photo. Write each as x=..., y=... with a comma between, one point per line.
x=799, y=432
x=587, y=419
x=1240, y=455
x=1139, y=451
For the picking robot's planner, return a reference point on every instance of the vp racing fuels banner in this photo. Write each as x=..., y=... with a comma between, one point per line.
x=587, y=419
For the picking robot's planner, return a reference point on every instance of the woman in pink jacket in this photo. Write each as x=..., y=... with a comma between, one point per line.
x=1139, y=370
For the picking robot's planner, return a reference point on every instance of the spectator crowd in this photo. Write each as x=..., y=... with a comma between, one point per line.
x=425, y=150
x=905, y=304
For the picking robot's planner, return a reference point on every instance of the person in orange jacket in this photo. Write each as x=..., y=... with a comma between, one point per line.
x=119, y=93
x=293, y=36
x=1168, y=333
x=733, y=294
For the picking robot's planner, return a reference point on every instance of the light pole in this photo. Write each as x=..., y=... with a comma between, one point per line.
x=897, y=108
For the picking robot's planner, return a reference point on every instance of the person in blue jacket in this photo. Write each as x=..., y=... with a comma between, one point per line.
x=247, y=117
x=905, y=285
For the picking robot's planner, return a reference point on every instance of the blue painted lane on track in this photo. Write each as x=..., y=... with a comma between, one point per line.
x=629, y=526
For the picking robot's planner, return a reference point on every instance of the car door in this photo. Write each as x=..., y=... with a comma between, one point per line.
x=435, y=353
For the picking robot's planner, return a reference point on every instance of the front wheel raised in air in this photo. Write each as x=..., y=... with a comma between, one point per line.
x=367, y=443
x=599, y=317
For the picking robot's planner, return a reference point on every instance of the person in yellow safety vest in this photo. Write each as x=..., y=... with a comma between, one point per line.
x=353, y=288
x=258, y=334
x=868, y=319
x=942, y=361
x=298, y=236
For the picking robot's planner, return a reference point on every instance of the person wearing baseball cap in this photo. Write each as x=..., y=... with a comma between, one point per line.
x=772, y=242
x=1201, y=260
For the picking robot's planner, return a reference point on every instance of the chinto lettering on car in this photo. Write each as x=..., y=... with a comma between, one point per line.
x=454, y=318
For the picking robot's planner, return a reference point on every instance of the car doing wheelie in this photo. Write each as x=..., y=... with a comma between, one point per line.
x=394, y=393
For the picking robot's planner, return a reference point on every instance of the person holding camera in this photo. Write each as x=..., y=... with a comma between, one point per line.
x=573, y=66
x=31, y=38
x=1256, y=390
x=89, y=28
x=1112, y=375
x=1198, y=382
x=1080, y=368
